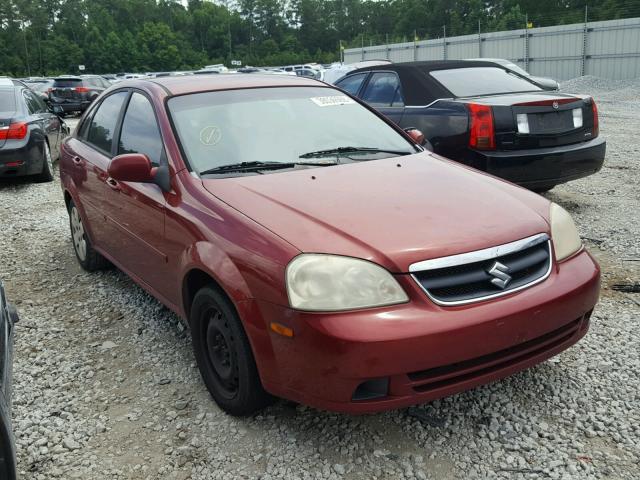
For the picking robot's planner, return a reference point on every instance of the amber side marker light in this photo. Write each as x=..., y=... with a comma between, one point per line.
x=282, y=330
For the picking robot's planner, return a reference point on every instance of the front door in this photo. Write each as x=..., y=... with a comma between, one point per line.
x=384, y=93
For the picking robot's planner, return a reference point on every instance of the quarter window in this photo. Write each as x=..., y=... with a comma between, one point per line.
x=103, y=123
x=352, y=83
x=383, y=90
x=140, y=133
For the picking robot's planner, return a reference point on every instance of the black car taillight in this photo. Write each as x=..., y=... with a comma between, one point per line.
x=482, y=135
x=15, y=131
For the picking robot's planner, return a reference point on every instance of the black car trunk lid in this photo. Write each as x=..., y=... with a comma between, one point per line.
x=540, y=120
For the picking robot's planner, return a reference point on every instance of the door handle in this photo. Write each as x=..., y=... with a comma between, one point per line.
x=77, y=160
x=113, y=184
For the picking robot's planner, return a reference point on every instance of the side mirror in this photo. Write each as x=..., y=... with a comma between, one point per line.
x=131, y=167
x=416, y=135
x=57, y=109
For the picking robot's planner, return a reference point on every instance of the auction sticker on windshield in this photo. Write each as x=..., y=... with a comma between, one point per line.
x=332, y=101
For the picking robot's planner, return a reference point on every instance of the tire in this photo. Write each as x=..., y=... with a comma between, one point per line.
x=224, y=354
x=47, y=165
x=88, y=258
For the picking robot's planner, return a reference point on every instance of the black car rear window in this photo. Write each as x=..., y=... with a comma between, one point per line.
x=473, y=81
x=67, y=82
x=7, y=100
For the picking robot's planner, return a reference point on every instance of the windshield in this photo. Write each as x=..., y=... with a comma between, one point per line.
x=277, y=125
x=474, y=81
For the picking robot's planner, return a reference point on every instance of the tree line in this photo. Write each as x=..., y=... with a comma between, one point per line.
x=46, y=37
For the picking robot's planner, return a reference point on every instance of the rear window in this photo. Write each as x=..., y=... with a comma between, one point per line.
x=67, y=82
x=7, y=101
x=473, y=81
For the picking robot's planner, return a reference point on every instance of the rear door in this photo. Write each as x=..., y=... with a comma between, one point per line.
x=48, y=122
x=140, y=207
x=384, y=93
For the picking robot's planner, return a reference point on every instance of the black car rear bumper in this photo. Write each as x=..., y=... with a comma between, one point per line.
x=545, y=167
x=71, y=106
x=16, y=162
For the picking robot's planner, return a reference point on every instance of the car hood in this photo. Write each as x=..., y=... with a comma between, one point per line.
x=394, y=212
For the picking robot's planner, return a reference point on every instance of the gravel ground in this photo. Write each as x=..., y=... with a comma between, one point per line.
x=106, y=385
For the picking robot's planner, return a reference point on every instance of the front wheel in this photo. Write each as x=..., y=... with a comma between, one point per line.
x=224, y=354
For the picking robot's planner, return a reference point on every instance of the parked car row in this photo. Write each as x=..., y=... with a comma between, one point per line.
x=332, y=260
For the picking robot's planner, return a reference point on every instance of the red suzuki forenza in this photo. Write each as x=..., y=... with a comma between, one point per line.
x=317, y=252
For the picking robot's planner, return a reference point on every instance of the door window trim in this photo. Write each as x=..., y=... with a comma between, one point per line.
x=89, y=118
x=163, y=154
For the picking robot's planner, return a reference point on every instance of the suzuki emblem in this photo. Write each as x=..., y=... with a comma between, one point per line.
x=555, y=105
x=501, y=277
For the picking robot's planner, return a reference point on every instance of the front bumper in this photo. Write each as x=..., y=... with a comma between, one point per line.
x=422, y=350
x=545, y=167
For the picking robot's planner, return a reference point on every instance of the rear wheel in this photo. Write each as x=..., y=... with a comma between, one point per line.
x=87, y=256
x=224, y=354
x=47, y=165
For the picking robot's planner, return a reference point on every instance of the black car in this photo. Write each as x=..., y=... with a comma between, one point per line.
x=485, y=116
x=8, y=318
x=30, y=134
x=75, y=94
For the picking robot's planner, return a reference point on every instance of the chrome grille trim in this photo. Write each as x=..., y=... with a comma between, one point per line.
x=479, y=256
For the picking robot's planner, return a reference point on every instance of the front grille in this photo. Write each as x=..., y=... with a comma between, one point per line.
x=485, y=274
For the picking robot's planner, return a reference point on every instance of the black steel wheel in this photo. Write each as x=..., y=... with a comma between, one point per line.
x=224, y=355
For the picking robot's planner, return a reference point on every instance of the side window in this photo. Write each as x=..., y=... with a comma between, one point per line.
x=140, y=133
x=382, y=90
x=32, y=102
x=103, y=123
x=352, y=83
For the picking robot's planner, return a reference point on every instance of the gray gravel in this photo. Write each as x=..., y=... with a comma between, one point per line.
x=106, y=385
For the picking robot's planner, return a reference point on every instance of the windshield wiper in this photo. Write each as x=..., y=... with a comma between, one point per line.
x=342, y=150
x=257, y=166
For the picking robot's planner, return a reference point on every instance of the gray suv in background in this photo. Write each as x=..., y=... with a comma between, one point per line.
x=75, y=94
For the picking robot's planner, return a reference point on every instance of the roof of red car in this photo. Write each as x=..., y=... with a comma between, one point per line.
x=179, y=85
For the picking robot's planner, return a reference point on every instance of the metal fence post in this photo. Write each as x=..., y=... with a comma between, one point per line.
x=362, y=48
x=387, y=46
x=479, y=40
x=444, y=42
x=526, y=42
x=585, y=33
x=415, y=46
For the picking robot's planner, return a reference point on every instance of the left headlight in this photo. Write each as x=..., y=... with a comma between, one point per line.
x=564, y=234
x=330, y=283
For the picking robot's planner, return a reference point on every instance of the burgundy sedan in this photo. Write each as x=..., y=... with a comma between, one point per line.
x=317, y=252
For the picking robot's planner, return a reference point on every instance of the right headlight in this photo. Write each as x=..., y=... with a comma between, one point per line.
x=564, y=234
x=332, y=283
